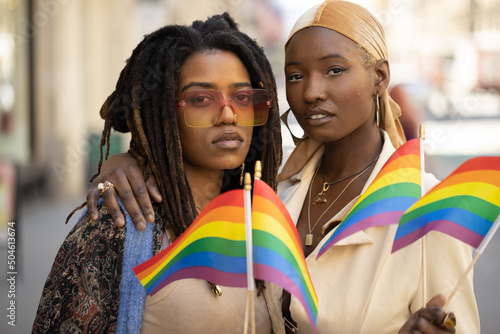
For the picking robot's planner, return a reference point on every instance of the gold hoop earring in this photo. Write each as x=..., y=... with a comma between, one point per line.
x=377, y=114
x=284, y=119
x=242, y=173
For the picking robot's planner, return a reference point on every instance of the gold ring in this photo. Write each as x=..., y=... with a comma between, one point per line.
x=450, y=321
x=104, y=186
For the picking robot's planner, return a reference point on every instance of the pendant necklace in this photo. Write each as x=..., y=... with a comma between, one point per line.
x=309, y=236
x=320, y=197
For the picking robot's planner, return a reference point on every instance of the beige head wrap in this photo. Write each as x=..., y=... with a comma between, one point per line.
x=358, y=24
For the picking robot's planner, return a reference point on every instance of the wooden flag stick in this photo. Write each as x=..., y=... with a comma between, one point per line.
x=257, y=175
x=252, y=309
x=421, y=135
x=462, y=279
x=258, y=170
x=247, y=191
x=247, y=309
x=480, y=251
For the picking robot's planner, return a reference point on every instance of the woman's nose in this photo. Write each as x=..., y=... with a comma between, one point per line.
x=227, y=115
x=314, y=91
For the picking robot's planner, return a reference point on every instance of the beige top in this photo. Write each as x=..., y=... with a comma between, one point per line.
x=361, y=286
x=189, y=306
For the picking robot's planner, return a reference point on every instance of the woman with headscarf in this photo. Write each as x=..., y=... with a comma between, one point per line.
x=337, y=74
x=338, y=94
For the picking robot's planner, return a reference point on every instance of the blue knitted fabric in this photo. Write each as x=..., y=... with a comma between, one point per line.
x=138, y=248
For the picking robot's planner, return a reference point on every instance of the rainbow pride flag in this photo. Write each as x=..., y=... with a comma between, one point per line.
x=464, y=205
x=277, y=252
x=213, y=248
x=395, y=188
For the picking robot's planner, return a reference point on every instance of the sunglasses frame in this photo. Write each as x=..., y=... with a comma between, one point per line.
x=182, y=104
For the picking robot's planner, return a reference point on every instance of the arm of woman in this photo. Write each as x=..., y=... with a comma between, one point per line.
x=430, y=320
x=124, y=172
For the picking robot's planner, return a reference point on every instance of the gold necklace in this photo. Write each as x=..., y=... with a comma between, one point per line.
x=309, y=236
x=320, y=197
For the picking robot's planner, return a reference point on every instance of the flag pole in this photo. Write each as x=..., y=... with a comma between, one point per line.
x=257, y=176
x=480, y=251
x=258, y=170
x=250, y=303
x=421, y=135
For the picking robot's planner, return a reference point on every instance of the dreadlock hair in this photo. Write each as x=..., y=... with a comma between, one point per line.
x=144, y=104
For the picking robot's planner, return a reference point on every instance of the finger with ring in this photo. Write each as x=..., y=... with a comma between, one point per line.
x=104, y=186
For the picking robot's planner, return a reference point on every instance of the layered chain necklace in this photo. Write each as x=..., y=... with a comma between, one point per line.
x=320, y=198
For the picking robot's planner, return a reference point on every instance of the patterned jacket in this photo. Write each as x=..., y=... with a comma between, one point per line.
x=82, y=291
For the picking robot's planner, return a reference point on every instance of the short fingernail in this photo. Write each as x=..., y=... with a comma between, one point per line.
x=150, y=218
x=119, y=221
x=141, y=226
x=94, y=216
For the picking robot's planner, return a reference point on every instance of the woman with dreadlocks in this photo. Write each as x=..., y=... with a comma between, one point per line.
x=196, y=100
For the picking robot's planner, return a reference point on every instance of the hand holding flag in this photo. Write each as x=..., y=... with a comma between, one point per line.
x=465, y=205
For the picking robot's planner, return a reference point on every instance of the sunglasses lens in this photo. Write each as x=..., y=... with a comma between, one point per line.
x=199, y=106
x=202, y=107
x=259, y=109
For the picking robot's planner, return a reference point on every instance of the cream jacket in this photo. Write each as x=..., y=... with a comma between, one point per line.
x=361, y=286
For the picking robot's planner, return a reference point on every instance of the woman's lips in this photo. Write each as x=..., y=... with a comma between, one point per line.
x=228, y=139
x=317, y=116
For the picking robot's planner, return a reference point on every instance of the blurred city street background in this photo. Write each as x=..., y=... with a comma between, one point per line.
x=60, y=59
